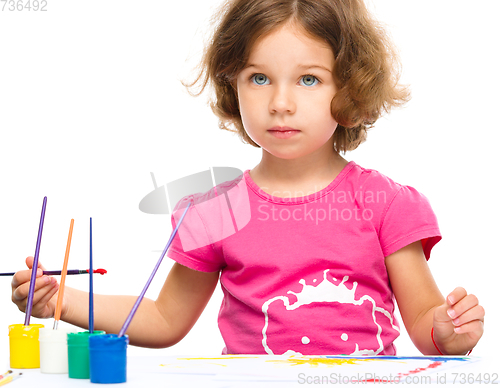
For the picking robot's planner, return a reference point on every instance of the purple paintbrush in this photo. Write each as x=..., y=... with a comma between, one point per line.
x=34, y=268
x=141, y=296
x=70, y=272
x=91, y=286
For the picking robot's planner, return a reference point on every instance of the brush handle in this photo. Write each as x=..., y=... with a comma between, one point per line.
x=91, y=286
x=9, y=372
x=34, y=268
x=70, y=272
x=10, y=378
x=57, y=314
x=141, y=296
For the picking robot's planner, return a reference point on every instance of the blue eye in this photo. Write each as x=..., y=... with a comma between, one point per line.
x=309, y=80
x=260, y=79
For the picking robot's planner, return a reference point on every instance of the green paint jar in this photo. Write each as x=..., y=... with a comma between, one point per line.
x=78, y=354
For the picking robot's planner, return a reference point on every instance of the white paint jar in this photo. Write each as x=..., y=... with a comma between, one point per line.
x=53, y=351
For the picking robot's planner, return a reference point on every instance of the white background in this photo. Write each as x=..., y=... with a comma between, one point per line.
x=91, y=103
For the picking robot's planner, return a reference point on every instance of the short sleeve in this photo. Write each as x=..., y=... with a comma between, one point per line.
x=192, y=246
x=408, y=218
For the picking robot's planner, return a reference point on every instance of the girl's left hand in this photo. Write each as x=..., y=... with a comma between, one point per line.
x=458, y=323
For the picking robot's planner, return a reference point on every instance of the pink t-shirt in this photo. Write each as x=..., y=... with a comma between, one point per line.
x=305, y=274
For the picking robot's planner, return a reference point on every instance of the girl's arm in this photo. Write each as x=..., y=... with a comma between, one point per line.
x=156, y=324
x=423, y=307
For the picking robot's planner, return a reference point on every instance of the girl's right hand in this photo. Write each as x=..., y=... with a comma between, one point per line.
x=45, y=297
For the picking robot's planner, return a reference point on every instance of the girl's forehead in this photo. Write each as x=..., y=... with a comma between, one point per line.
x=289, y=37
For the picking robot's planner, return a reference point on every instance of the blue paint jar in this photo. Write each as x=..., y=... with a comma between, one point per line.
x=108, y=358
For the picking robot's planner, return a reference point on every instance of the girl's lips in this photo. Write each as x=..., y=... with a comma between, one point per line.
x=283, y=132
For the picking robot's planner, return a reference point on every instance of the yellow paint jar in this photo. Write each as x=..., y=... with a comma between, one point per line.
x=24, y=346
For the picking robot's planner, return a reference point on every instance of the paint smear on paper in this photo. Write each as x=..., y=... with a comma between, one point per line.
x=317, y=361
x=216, y=358
x=435, y=364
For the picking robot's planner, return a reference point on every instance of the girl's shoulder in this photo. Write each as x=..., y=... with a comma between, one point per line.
x=220, y=186
x=400, y=214
x=370, y=179
x=384, y=196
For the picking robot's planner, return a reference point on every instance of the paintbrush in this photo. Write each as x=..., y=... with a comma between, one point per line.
x=148, y=283
x=70, y=272
x=57, y=315
x=9, y=378
x=91, y=286
x=31, y=292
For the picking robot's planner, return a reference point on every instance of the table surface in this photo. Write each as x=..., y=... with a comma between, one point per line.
x=283, y=371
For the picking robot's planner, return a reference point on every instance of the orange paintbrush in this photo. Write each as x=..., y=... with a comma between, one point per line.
x=57, y=315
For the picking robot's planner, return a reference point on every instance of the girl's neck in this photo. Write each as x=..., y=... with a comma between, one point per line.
x=297, y=177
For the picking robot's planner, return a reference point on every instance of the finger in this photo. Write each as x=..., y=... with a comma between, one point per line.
x=22, y=291
x=22, y=277
x=38, y=296
x=462, y=306
x=41, y=306
x=29, y=263
x=474, y=314
x=441, y=313
x=456, y=295
x=476, y=327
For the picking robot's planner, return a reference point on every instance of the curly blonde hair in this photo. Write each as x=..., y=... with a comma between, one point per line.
x=366, y=68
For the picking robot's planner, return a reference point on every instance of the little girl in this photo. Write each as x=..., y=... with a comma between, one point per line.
x=312, y=251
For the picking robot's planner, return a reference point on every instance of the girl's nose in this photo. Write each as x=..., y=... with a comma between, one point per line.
x=282, y=101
